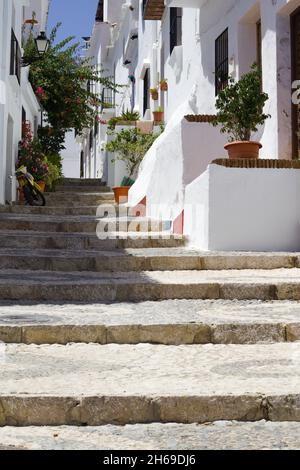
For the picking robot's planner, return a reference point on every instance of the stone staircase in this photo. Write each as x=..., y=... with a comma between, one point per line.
x=141, y=332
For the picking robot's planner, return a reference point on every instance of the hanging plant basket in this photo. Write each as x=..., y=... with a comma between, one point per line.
x=154, y=94
x=163, y=85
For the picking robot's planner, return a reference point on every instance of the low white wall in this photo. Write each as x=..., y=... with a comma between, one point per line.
x=178, y=156
x=244, y=210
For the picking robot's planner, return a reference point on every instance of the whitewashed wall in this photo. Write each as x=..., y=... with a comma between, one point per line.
x=71, y=156
x=244, y=209
x=191, y=67
x=12, y=96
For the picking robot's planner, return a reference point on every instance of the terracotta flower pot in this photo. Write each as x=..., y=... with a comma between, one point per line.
x=158, y=116
x=121, y=194
x=243, y=149
x=42, y=185
x=154, y=95
x=164, y=86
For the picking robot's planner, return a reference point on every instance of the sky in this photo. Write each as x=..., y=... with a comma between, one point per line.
x=77, y=17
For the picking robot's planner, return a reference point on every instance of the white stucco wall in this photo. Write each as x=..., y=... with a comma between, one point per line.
x=178, y=156
x=13, y=95
x=244, y=210
x=71, y=156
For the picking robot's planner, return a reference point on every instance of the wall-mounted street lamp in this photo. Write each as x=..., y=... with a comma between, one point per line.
x=42, y=43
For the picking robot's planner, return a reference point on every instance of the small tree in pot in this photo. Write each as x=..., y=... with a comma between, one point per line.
x=129, y=146
x=240, y=111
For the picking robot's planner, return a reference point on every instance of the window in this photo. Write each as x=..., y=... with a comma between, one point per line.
x=100, y=12
x=107, y=98
x=15, y=57
x=259, y=45
x=96, y=128
x=221, y=58
x=147, y=90
x=175, y=28
x=23, y=121
x=91, y=139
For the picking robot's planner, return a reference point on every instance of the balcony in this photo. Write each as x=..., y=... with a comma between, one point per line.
x=154, y=9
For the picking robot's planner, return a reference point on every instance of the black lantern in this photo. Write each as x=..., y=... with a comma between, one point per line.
x=42, y=43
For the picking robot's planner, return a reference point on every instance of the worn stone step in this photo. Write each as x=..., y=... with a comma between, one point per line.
x=278, y=284
x=82, y=182
x=52, y=210
x=148, y=259
x=78, y=198
x=171, y=322
x=86, y=241
x=101, y=210
x=80, y=223
x=74, y=188
x=82, y=384
x=221, y=435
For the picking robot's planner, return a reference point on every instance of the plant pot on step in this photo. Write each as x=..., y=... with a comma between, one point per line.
x=121, y=194
x=243, y=150
x=158, y=116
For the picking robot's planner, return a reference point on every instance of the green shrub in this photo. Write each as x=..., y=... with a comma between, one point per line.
x=240, y=106
x=130, y=146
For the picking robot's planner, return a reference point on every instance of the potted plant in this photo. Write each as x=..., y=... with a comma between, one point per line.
x=127, y=118
x=129, y=146
x=31, y=156
x=154, y=93
x=158, y=115
x=163, y=84
x=240, y=111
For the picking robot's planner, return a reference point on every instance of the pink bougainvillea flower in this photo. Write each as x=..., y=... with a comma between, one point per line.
x=40, y=92
x=78, y=100
x=101, y=121
x=68, y=100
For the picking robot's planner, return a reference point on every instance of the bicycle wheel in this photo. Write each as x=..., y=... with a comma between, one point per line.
x=34, y=197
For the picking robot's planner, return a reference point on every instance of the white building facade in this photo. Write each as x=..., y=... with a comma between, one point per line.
x=195, y=45
x=17, y=99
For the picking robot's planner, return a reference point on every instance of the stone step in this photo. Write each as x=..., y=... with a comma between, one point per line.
x=48, y=223
x=81, y=188
x=78, y=198
x=148, y=259
x=52, y=210
x=94, y=385
x=221, y=435
x=83, y=182
x=86, y=241
x=171, y=322
x=278, y=284
x=113, y=210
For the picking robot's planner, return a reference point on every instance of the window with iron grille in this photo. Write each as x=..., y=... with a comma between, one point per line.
x=147, y=90
x=175, y=28
x=96, y=128
x=91, y=139
x=100, y=12
x=108, y=98
x=222, y=63
x=15, y=57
